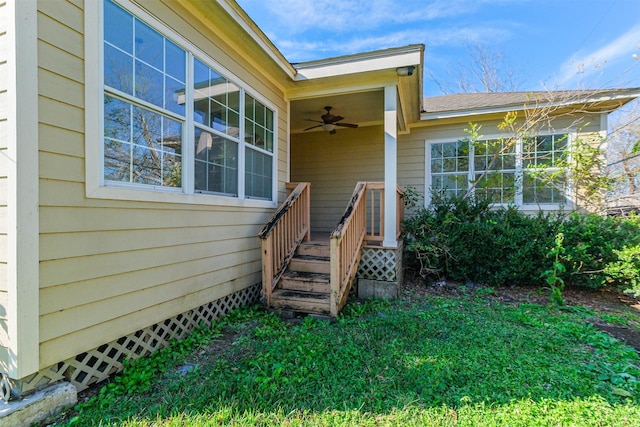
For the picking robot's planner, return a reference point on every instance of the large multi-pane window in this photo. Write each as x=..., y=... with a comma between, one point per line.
x=505, y=172
x=160, y=96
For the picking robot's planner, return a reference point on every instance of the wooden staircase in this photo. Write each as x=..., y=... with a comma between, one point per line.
x=305, y=284
x=314, y=276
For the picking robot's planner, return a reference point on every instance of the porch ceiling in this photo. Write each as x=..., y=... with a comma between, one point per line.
x=362, y=108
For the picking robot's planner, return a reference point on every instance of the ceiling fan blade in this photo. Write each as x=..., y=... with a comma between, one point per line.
x=332, y=132
x=330, y=118
x=347, y=125
x=313, y=127
x=311, y=120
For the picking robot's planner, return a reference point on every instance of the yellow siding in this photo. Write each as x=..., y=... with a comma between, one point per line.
x=110, y=267
x=333, y=164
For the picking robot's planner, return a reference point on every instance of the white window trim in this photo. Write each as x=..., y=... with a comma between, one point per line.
x=572, y=134
x=94, y=123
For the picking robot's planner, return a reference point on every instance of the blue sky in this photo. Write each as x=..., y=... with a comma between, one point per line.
x=548, y=44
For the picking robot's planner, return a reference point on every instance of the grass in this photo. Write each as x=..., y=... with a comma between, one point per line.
x=446, y=361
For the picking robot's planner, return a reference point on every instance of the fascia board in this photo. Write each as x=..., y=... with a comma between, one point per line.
x=360, y=63
x=626, y=97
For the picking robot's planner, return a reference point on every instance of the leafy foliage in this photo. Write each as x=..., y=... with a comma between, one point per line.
x=463, y=239
x=594, y=242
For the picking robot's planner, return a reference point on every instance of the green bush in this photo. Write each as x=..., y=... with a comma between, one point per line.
x=593, y=242
x=625, y=272
x=463, y=239
x=467, y=240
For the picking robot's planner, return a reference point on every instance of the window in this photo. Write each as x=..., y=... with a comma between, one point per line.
x=173, y=122
x=506, y=173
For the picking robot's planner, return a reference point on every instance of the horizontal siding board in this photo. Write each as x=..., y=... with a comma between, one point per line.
x=72, y=219
x=75, y=294
x=57, y=34
x=70, y=344
x=3, y=276
x=69, y=245
x=61, y=167
x=67, y=270
x=55, y=86
x=4, y=302
x=64, y=12
x=4, y=247
x=60, y=322
x=59, y=140
x=4, y=191
x=60, y=62
x=56, y=307
x=61, y=115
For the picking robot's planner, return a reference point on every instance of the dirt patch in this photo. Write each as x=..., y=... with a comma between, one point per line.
x=603, y=301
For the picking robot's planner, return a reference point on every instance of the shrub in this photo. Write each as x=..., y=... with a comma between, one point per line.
x=625, y=272
x=592, y=243
x=463, y=239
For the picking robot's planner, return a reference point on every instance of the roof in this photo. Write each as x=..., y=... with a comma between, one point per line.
x=479, y=103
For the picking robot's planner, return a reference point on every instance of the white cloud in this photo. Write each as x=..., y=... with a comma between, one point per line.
x=299, y=16
x=584, y=67
x=297, y=49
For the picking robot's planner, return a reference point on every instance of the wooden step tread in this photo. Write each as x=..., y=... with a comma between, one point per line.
x=300, y=295
x=305, y=276
x=306, y=302
x=316, y=258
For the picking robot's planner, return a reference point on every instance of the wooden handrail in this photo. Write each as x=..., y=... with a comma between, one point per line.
x=289, y=226
x=346, y=241
x=399, y=210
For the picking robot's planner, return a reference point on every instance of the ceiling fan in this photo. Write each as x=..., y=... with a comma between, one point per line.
x=329, y=122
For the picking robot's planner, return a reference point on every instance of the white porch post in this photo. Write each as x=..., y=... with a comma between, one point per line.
x=390, y=165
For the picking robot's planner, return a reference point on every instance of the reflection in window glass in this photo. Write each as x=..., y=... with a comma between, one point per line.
x=259, y=174
x=141, y=62
x=141, y=146
x=216, y=163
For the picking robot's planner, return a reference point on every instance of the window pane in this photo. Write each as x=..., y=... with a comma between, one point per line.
x=174, y=96
x=117, y=119
x=117, y=165
x=148, y=84
x=256, y=127
x=141, y=146
x=175, y=61
x=499, y=187
x=118, y=69
x=118, y=27
x=258, y=175
x=149, y=45
x=216, y=163
x=536, y=190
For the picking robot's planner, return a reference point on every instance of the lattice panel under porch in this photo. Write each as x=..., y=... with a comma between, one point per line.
x=96, y=365
x=381, y=263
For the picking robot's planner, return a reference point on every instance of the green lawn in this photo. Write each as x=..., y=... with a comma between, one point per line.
x=420, y=360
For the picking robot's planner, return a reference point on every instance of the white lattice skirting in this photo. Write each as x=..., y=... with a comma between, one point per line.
x=98, y=364
x=383, y=264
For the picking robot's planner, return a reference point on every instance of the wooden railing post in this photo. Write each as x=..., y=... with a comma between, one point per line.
x=334, y=276
x=267, y=268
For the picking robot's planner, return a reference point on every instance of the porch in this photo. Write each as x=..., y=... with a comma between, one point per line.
x=315, y=272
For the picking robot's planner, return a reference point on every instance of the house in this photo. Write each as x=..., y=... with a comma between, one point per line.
x=145, y=145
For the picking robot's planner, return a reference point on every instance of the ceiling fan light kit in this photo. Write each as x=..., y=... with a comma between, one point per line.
x=329, y=122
